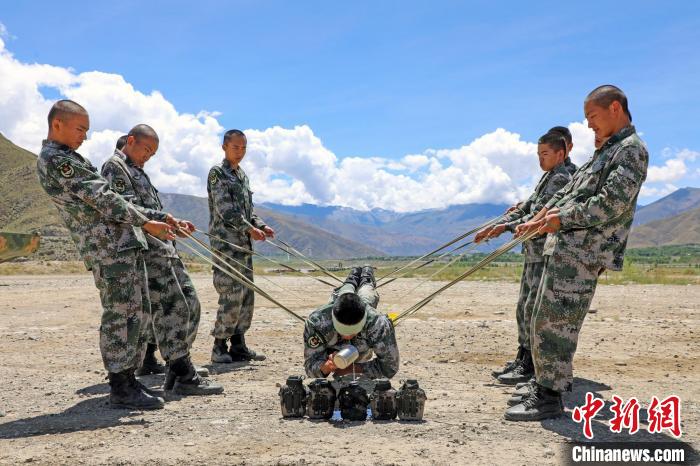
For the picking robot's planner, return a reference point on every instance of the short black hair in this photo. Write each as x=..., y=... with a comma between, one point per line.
x=65, y=107
x=348, y=309
x=554, y=140
x=121, y=142
x=606, y=94
x=564, y=132
x=143, y=131
x=232, y=133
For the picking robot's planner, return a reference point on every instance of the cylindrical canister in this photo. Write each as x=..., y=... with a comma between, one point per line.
x=345, y=356
x=353, y=401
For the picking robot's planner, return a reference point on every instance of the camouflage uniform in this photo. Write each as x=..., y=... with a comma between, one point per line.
x=596, y=212
x=551, y=182
x=321, y=339
x=175, y=308
x=231, y=200
x=106, y=230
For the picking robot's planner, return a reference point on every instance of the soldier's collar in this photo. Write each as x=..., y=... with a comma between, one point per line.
x=56, y=145
x=121, y=155
x=625, y=132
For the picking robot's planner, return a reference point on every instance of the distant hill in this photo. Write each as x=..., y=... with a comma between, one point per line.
x=678, y=201
x=324, y=232
x=683, y=228
x=394, y=232
x=305, y=237
x=25, y=207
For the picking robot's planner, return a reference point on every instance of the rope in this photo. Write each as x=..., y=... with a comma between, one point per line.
x=488, y=259
x=449, y=243
x=294, y=252
x=243, y=280
x=427, y=263
x=253, y=252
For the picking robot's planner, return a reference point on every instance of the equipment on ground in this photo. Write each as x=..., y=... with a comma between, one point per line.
x=293, y=397
x=383, y=401
x=410, y=400
x=353, y=401
x=320, y=403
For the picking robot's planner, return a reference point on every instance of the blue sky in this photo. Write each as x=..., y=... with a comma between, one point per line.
x=387, y=79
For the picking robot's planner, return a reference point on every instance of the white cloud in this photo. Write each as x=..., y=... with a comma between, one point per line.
x=286, y=165
x=657, y=191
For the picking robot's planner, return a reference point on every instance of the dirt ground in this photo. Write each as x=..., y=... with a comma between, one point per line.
x=641, y=341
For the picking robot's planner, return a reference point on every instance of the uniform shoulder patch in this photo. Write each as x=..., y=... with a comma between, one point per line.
x=313, y=341
x=66, y=170
x=119, y=185
x=213, y=178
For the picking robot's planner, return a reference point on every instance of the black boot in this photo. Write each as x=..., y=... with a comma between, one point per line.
x=134, y=382
x=541, y=403
x=187, y=382
x=367, y=276
x=150, y=364
x=510, y=365
x=522, y=372
x=521, y=392
x=219, y=354
x=170, y=376
x=240, y=352
x=125, y=394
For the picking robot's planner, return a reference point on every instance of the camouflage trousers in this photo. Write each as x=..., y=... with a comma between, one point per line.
x=529, y=283
x=175, y=308
x=236, y=301
x=123, y=286
x=563, y=300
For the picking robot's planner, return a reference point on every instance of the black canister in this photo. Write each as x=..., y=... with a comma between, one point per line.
x=353, y=401
x=321, y=400
x=410, y=401
x=383, y=401
x=293, y=397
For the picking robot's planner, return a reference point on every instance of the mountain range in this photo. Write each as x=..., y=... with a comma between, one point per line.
x=326, y=231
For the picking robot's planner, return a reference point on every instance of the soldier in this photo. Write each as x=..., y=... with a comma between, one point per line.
x=587, y=224
x=109, y=234
x=551, y=149
x=350, y=318
x=121, y=142
x=231, y=218
x=564, y=132
x=175, y=308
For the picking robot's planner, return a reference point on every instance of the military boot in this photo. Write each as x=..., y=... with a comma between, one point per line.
x=240, y=352
x=124, y=394
x=541, y=403
x=136, y=383
x=367, y=276
x=170, y=376
x=510, y=365
x=522, y=372
x=188, y=382
x=220, y=352
x=521, y=393
x=150, y=364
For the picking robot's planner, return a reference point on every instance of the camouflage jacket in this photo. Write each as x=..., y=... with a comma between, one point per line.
x=321, y=340
x=100, y=220
x=551, y=182
x=230, y=200
x=135, y=186
x=597, y=207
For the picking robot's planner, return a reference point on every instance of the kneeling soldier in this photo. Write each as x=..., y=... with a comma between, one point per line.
x=351, y=318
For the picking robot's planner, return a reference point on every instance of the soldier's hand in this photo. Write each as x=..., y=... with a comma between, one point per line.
x=186, y=225
x=525, y=228
x=496, y=231
x=256, y=234
x=550, y=224
x=329, y=366
x=511, y=208
x=269, y=232
x=482, y=234
x=159, y=229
